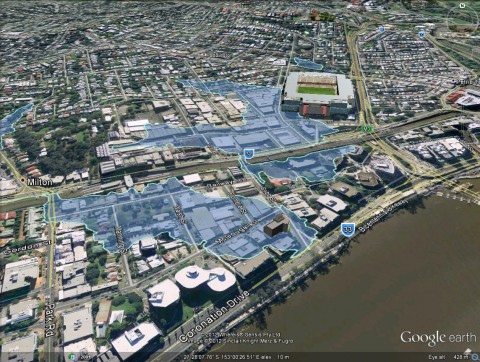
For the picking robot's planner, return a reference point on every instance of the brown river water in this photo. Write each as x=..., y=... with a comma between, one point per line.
x=417, y=272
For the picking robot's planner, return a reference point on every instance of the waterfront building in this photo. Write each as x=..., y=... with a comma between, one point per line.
x=164, y=294
x=132, y=341
x=217, y=279
x=248, y=268
x=279, y=224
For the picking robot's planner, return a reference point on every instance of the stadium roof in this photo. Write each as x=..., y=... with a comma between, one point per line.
x=345, y=88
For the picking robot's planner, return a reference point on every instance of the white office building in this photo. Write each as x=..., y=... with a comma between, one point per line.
x=164, y=294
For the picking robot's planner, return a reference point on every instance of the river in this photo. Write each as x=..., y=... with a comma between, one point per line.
x=415, y=272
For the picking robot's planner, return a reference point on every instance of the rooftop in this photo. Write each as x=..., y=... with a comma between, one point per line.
x=17, y=272
x=345, y=87
x=332, y=202
x=248, y=266
x=344, y=189
x=221, y=279
x=20, y=349
x=191, y=276
x=192, y=179
x=23, y=306
x=135, y=339
x=77, y=325
x=164, y=294
x=218, y=279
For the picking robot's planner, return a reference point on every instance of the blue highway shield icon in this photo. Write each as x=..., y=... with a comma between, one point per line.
x=348, y=229
x=248, y=153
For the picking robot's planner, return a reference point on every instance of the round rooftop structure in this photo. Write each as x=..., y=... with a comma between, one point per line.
x=217, y=279
x=191, y=277
x=221, y=279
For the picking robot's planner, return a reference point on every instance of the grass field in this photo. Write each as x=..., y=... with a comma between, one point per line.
x=312, y=90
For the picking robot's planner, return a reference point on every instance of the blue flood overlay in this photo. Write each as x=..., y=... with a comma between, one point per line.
x=315, y=167
x=7, y=122
x=152, y=212
x=209, y=218
x=265, y=126
x=308, y=64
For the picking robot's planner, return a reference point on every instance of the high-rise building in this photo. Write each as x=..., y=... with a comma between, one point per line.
x=279, y=224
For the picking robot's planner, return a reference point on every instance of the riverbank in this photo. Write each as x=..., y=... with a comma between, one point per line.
x=414, y=271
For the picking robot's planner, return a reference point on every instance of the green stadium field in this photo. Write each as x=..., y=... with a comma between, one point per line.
x=312, y=90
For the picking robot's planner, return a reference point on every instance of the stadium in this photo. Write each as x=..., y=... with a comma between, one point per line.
x=318, y=95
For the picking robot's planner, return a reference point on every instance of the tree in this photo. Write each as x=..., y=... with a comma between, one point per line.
x=102, y=259
x=321, y=188
x=92, y=273
x=40, y=307
x=134, y=298
x=281, y=189
x=144, y=317
x=95, y=307
x=116, y=327
x=161, y=250
x=268, y=185
x=118, y=300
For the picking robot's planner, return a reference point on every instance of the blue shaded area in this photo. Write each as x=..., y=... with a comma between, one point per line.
x=265, y=126
x=151, y=212
x=308, y=64
x=7, y=123
x=315, y=167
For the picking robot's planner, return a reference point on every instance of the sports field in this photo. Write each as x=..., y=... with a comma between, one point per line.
x=312, y=90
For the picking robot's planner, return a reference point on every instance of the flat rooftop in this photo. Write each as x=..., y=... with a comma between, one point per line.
x=20, y=349
x=345, y=87
x=247, y=266
x=217, y=279
x=77, y=324
x=135, y=339
x=164, y=294
x=17, y=272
